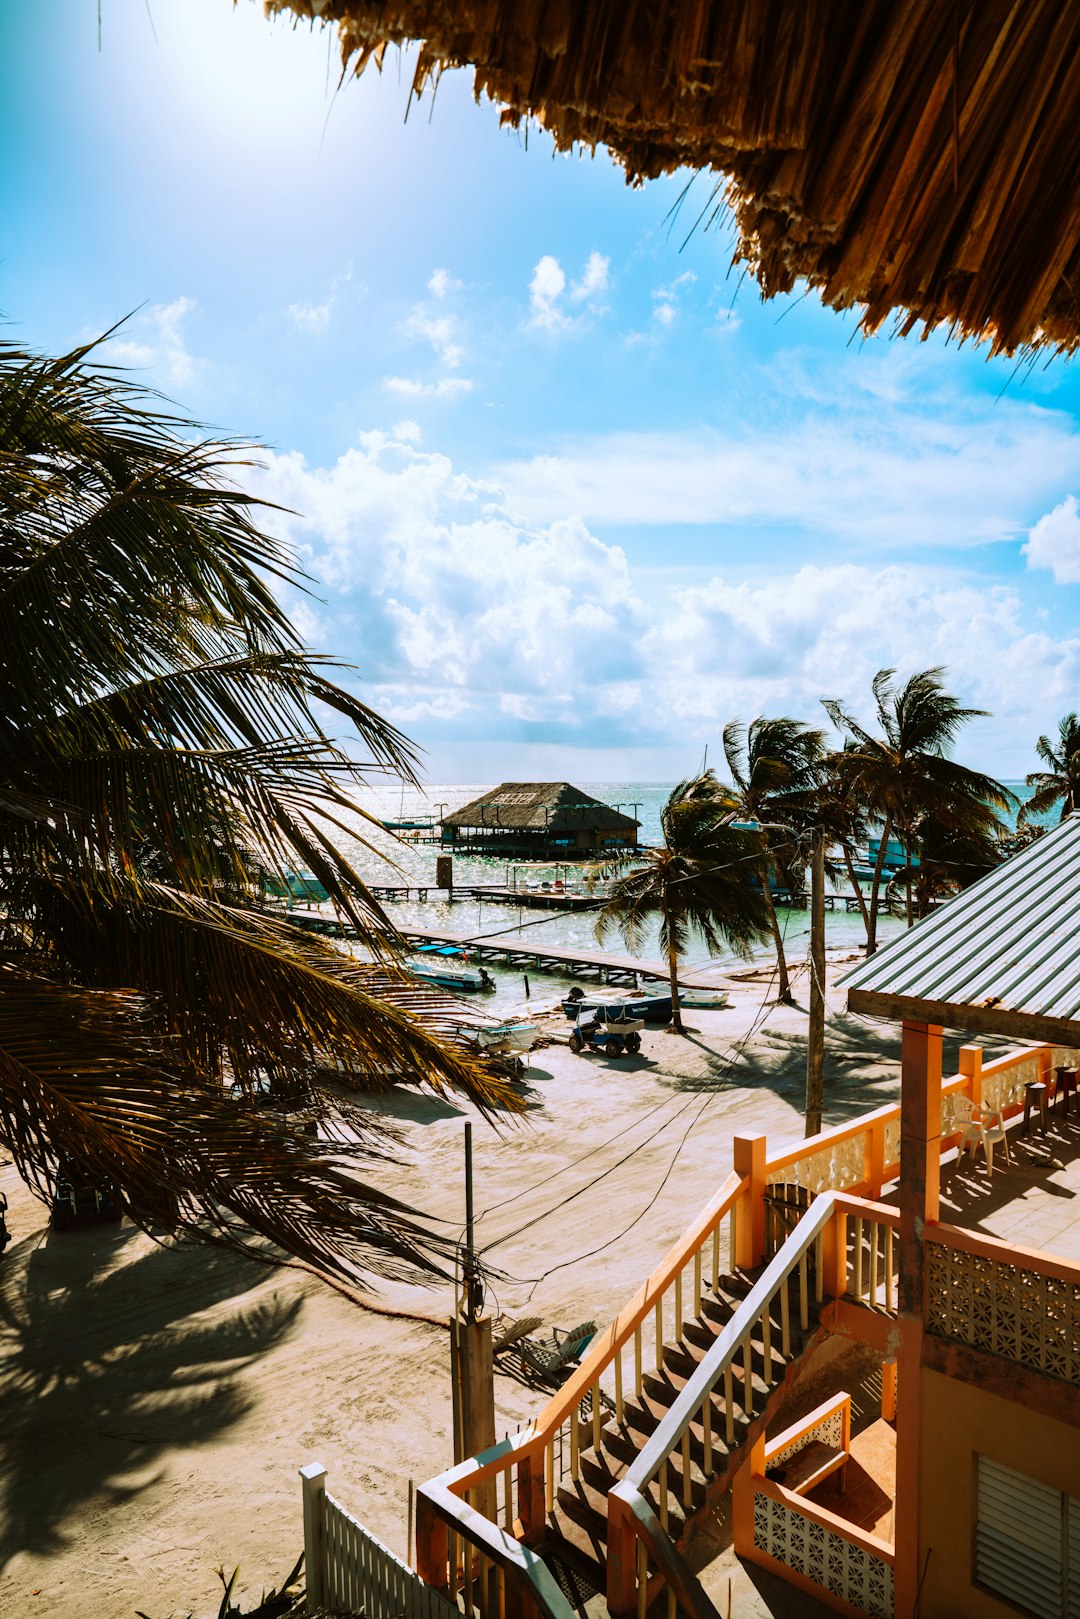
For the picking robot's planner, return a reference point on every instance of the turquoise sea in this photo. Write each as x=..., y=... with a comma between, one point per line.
x=381, y=858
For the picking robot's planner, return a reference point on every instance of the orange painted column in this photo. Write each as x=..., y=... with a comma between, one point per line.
x=919, y=1198
x=971, y=1068
x=748, y=1160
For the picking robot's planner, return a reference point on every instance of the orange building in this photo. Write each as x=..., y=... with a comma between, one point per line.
x=944, y=1480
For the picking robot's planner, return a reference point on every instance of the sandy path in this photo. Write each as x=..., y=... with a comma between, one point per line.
x=155, y=1404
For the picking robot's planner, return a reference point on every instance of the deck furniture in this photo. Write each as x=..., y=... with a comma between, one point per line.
x=551, y=1358
x=1064, y=1086
x=1035, y=1097
x=985, y=1127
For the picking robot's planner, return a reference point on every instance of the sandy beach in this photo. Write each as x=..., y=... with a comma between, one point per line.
x=157, y=1402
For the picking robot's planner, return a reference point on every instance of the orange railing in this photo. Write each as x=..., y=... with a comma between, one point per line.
x=477, y=1522
x=863, y=1156
x=471, y=1531
x=824, y=1258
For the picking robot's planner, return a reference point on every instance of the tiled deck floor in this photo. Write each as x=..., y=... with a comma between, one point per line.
x=1034, y=1201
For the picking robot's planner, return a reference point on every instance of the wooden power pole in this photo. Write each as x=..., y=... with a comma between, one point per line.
x=472, y=1369
x=815, y=1042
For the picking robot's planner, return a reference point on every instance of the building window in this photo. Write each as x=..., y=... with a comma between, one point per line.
x=1027, y=1542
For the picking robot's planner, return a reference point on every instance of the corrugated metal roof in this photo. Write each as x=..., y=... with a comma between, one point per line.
x=1009, y=944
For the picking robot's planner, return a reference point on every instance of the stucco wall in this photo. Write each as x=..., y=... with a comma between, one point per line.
x=958, y=1421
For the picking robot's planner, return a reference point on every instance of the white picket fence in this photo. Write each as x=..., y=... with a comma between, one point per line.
x=348, y=1570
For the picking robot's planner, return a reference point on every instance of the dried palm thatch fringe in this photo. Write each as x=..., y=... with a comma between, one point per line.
x=909, y=156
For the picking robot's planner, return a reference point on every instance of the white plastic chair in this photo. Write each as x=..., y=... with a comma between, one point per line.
x=967, y=1117
x=992, y=1126
x=980, y=1126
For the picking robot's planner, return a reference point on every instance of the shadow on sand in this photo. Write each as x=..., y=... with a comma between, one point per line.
x=105, y=1364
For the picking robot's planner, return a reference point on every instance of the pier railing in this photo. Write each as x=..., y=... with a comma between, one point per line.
x=475, y=1522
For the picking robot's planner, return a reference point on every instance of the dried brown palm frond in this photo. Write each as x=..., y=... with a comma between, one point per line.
x=903, y=156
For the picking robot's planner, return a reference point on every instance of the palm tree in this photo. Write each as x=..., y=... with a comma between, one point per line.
x=774, y=764
x=1059, y=783
x=697, y=879
x=905, y=777
x=159, y=744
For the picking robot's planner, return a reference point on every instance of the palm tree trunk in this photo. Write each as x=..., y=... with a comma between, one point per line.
x=784, y=987
x=907, y=878
x=673, y=973
x=859, y=895
x=875, y=890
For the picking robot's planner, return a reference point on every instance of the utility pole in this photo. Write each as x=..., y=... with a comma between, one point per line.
x=472, y=1371
x=815, y=1039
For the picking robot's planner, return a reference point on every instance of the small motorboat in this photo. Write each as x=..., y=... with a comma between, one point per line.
x=654, y=1009
x=463, y=980
x=704, y=1000
x=503, y=1037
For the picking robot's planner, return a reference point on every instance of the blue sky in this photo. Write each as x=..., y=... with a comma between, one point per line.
x=571, y=494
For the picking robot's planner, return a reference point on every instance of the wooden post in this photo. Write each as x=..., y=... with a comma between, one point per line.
x=888, y=1389
x=742, y=1498
x=532, y=1496
x=621, y=1558
x=919, y=1198
x=314, y=1487
x=874, y=1158
x=432, y=1545
x=748, y=1158
x=815, y=1035
x=971, y=1068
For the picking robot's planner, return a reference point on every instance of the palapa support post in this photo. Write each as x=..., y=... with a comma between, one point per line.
x=313, y=1478
x=919, y=1198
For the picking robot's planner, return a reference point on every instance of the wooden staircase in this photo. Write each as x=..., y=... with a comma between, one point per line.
x=575, y=1543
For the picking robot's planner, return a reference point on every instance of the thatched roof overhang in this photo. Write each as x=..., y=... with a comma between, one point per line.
x=540, y=806
x=904, y=156
x=1002, y=957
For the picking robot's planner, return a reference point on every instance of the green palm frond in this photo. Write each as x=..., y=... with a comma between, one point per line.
x=165, y=746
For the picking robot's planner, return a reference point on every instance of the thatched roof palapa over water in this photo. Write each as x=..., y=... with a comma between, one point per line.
x=542, y=815
x=903, y=156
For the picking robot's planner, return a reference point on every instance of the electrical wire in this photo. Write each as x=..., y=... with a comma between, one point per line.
x=764, y=1011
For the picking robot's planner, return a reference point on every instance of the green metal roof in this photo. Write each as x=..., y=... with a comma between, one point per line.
x=1004, y=955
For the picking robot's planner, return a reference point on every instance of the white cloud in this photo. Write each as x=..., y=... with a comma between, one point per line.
x=440, y=331
x=1054, y=543
x=666, y=299
x=886, y=475
x=549, y=284
x=441, y=388
x=442, y=284
x=156, y=343
x=471, y=624
x=545, y=290
x=315, y=318
x=594, y=281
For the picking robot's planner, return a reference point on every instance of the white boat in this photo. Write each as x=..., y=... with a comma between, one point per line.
x=704, y=1000
x=507, y=1037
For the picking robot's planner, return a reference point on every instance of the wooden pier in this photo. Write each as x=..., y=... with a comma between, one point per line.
x=536, y=899
x=508, y=951
x=544, y=899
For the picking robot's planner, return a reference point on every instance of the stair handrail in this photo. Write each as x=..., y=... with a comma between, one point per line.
x=628, y=1497
x=444, y=1497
